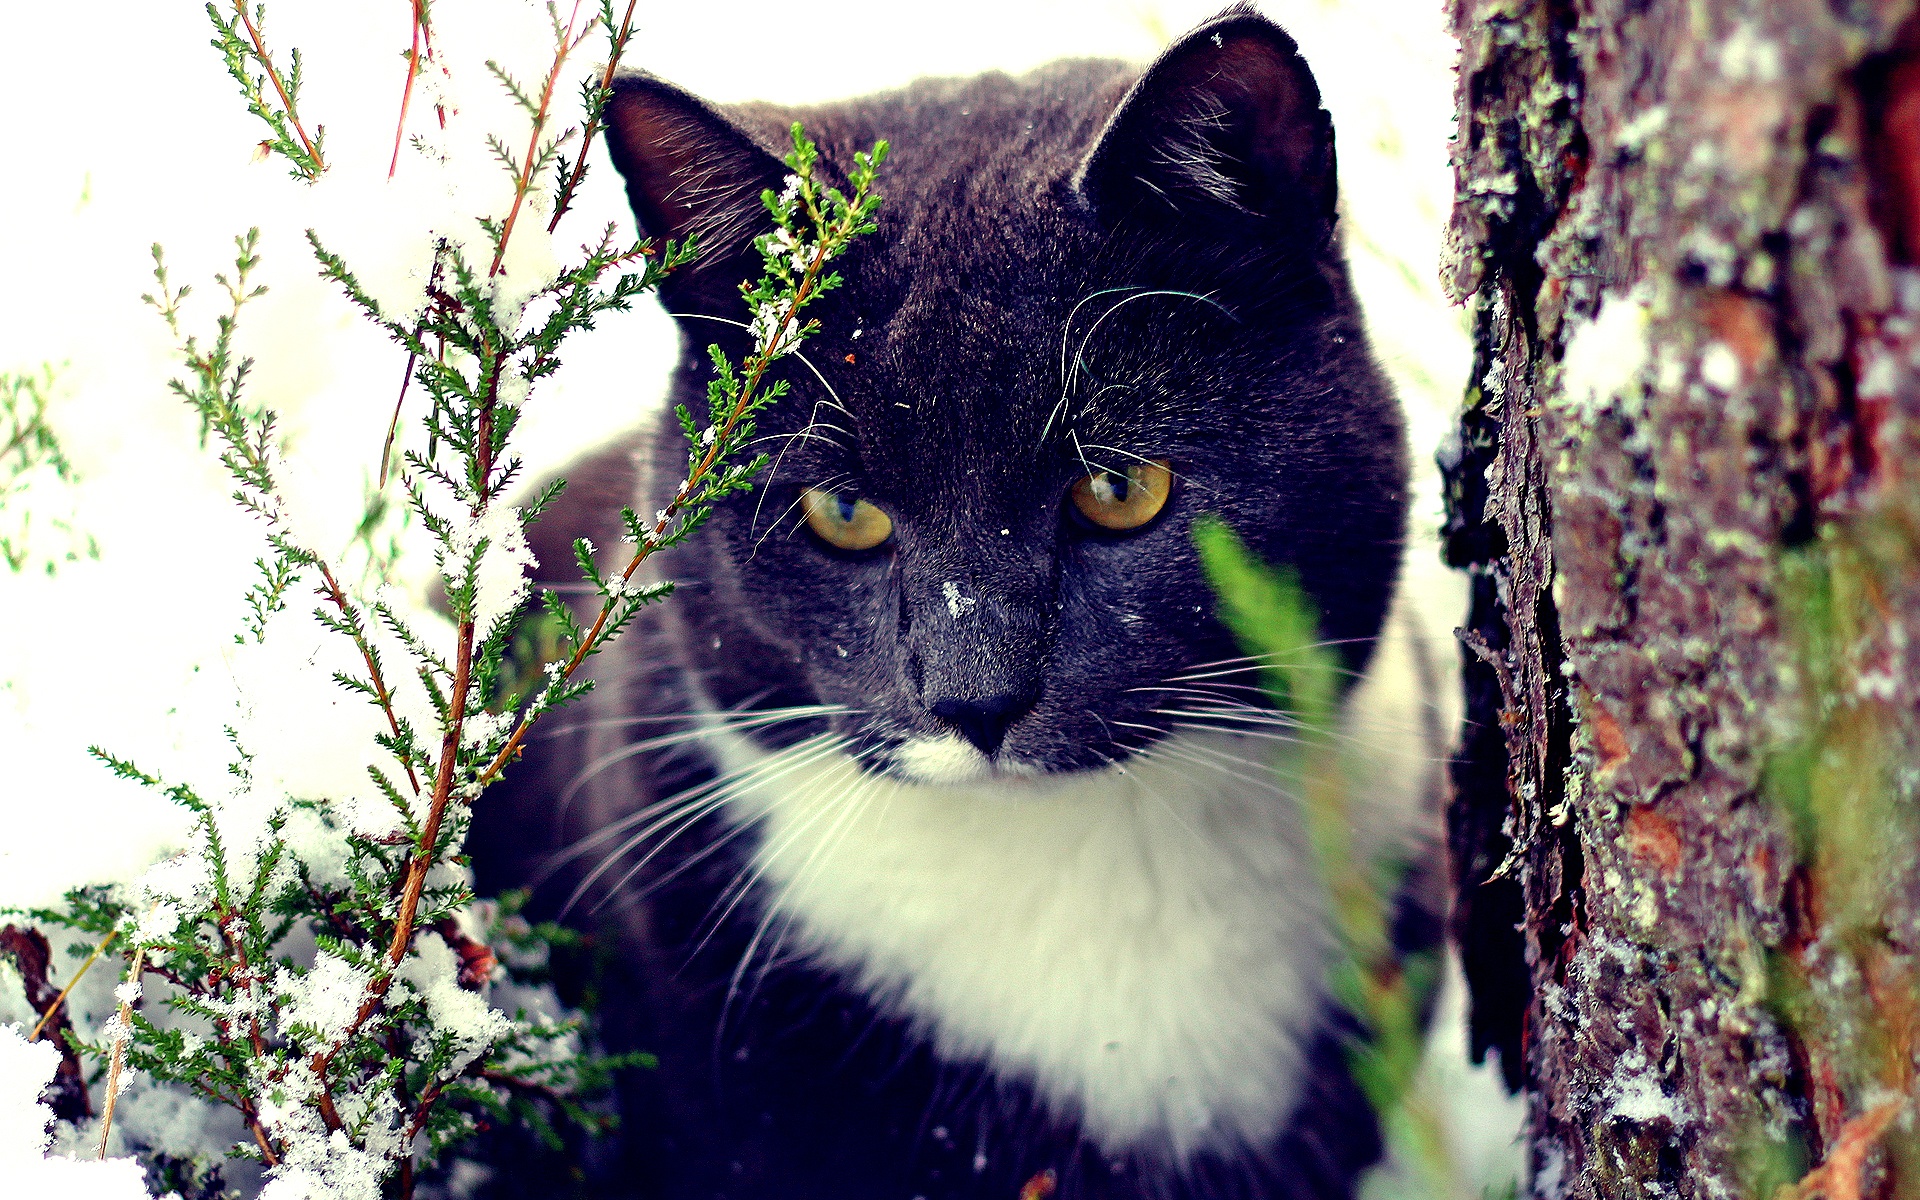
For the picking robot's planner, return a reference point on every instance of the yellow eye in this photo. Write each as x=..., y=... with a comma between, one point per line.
x=845, y=521
x=1121, y=502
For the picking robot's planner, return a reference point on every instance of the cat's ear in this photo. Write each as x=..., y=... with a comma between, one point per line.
x=691, y=173
x=1226, y=125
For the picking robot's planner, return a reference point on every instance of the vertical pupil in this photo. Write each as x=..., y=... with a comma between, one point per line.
x=1117, y=484
x=844, y=505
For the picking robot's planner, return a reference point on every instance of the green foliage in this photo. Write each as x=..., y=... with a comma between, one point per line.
x=30, y=452
x=1841, y=774
x=1385, y=991
x=241, y=41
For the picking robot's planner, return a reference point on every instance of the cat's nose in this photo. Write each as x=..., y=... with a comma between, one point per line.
x=983, y=722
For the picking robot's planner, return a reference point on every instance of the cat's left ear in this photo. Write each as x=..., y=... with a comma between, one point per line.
x=1226, y=125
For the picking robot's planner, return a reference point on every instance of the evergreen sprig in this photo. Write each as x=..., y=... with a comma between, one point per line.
x=1385, y=990
x=241, y=41
x=813, y=226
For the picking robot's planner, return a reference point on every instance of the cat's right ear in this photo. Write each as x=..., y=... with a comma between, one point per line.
x=691, y=173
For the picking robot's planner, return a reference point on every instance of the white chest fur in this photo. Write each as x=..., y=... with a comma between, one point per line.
x=1144, y=947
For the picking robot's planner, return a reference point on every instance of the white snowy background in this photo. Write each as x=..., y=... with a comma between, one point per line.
x=120, y=129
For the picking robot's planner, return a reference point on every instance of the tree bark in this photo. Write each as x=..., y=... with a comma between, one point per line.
x=1686, y=828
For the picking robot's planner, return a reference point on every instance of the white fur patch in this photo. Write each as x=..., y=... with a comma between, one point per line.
x=949, y=759
x=1145, y=945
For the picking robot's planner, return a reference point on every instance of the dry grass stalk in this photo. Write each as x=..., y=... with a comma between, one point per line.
x=61, y=999
x=118, y=1061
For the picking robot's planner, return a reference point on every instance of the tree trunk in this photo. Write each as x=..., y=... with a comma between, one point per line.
x=1687, y=817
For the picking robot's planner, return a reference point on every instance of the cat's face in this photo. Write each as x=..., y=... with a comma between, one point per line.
x=1076, y=331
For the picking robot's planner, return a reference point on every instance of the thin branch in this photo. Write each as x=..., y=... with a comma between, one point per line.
x=420, y=33
x=383, y=695
x=279, y=86
x=690, y=488
x=118, y=1061
x=617, y=46
x=563, y=47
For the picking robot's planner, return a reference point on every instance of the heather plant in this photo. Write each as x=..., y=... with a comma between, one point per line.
x=33, y=529
x=315, y=961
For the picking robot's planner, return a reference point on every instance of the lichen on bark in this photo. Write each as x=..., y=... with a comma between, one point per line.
x=1685, y=487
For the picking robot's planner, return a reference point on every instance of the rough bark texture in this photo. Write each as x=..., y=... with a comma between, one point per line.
x=32, y=957
x=1688, y=486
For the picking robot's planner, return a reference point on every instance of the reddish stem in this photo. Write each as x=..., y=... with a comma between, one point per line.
x=618, y=46
x=273, y=74
x=406, y=94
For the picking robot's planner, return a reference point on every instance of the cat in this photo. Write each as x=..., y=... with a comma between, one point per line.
x=930, y=827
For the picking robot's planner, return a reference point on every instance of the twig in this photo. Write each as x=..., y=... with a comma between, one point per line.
x=119, y=1057
x=71, y=984
x=393, y=426
x=273, y=74
x=565, y=46
x=617, y=46
x=406, y=99
x=382, y=694
x=413, y=358
x=688, y=489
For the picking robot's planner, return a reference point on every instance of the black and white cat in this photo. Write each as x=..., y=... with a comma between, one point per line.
x=934, y=823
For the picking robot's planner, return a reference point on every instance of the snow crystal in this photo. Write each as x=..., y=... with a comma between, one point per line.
x=1746, y=55
x=158, y=924
x=1881, y=376
x=771, y=318
x=957, y=605
x=1606, y=355
x=1634, y=134
x=327, y=997
x=1640, y=1098
x=434, y=973
x=482, y=728
x=1637, y=1092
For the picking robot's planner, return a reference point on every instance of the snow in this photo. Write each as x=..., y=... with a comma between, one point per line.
x=1637, y=1094
x=26, y=1068
x=1635, y=133
x=1605, y=356
x=136, y=650
x=325, y=999
x=502, y=581
x=434, y=974
x=1720, y=367
x=1746, y=55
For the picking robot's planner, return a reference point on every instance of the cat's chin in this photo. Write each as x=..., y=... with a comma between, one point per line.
x=951, y=759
